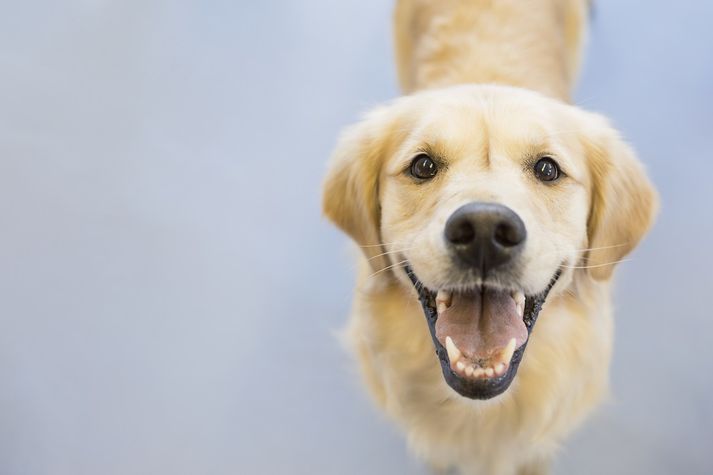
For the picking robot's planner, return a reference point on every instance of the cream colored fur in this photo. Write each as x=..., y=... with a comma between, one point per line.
x=487, y=134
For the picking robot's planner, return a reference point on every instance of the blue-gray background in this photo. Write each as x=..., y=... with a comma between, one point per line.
x=169, y=293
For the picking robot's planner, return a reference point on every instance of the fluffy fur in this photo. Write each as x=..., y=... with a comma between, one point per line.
x=487, y=136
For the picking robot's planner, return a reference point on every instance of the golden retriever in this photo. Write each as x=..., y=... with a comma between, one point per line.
x=490, y=214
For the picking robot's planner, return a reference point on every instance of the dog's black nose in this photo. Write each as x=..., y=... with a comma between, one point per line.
x=485, y=235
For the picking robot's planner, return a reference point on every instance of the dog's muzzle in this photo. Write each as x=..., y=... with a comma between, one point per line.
x=480, y=331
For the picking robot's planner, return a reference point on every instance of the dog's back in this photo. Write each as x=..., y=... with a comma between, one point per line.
x=533, y=44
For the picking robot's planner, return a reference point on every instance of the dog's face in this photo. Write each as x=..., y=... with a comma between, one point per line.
x=482, y=198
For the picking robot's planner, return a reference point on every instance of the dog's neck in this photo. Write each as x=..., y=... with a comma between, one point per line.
x=534, y=44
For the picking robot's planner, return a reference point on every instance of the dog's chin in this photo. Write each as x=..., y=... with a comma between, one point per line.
x=482, y=334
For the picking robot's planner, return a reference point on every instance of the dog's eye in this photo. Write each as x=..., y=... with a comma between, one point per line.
x=423, y=167
x=546, y=169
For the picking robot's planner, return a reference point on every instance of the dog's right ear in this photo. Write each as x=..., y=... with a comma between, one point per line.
x=350, y=196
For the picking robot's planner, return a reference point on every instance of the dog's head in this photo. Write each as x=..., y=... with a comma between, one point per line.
x=481, y=198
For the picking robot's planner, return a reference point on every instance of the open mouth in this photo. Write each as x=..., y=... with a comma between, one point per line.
x=480, y=334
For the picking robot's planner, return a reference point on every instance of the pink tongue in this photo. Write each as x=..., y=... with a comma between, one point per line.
x=480, y=324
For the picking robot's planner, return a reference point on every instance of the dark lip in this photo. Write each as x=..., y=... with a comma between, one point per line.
x=486, y=388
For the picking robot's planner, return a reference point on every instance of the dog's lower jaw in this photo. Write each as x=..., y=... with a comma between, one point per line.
x=561, y=378
x=494, y=385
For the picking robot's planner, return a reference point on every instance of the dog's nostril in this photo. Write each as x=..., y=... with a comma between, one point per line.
x=485, y=235
x=461, y=233
x=508, y=235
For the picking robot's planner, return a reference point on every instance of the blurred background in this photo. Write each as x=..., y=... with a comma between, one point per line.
x=169, y=293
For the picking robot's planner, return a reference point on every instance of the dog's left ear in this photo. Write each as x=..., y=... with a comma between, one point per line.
x=623, y=200
x=350, y=196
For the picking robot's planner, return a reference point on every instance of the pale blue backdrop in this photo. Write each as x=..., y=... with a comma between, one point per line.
x=169, y=292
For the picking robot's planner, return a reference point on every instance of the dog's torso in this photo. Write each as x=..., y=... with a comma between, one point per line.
x=534, y=44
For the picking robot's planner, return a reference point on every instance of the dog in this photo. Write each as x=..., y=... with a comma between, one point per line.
x=490, y=214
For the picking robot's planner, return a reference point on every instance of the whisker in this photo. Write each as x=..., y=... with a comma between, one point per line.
x=600, y=247
x=391, y=252
x=382, y=244
x=595, y=265
x=588, y=249
x=398, y=264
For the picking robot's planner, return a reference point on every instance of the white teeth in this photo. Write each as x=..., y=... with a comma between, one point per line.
x=500, y=362
x=444, y=296
x=508, y=351
x=454, y=353
x=519, y=299
x=443, y=300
